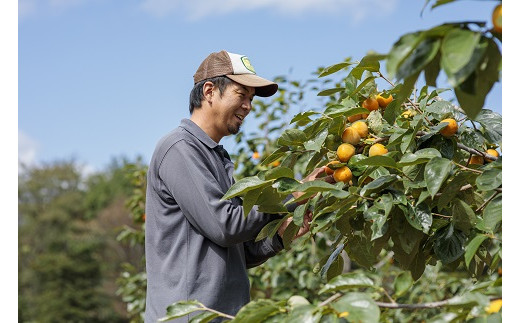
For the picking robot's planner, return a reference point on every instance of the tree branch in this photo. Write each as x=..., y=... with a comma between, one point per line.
x=423, y=305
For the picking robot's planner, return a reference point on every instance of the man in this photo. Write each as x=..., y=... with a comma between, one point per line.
x=198, y=247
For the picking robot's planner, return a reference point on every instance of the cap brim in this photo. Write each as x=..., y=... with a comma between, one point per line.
x=263, y=87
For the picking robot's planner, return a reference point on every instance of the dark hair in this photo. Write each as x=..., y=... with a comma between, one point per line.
x=196, y=95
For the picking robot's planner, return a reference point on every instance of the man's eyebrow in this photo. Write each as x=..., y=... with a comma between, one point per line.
x=246, y=90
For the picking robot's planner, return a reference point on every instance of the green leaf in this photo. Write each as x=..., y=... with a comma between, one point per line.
x=489, y=179
x=384, y=161
x=332, y=91
x=245, y=185
x=334, y=68
x=472, y=247
x=464, y=218
x=402, y=283
x=420, y=217
x=278, y=172
x=289, y=234
x=302, y=118
x=368, y=63
x=403, y=94
x=347, y=281
x=419, y=157
x=451, y=190
x=419, y=58
x=285, y=185
x=432, y=70
x=375, y=121
x=299, y=213
x=315, y=186
x=492, y=124
x=448, y=244
x=335, y=254
x=292, y=137
x=363, y=84
x=461, y=52
x=275, y=155
x=472, y=93
x=440, y=109
x=435, y=173
x=315, y=143
x=492, y=213
x=270, y=229
x=250, y=199
x=180, y=309
x=400, y=50
x=256, y=311
x=473, y=138
x=360, y=307
x=204, y=317
x=378, y=184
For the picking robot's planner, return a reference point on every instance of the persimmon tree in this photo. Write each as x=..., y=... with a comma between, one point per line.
x=426, y=202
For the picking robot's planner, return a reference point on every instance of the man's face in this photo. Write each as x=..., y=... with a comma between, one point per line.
x=231, y=108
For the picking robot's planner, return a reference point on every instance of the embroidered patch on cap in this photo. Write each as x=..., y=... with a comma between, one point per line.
x=247, y=64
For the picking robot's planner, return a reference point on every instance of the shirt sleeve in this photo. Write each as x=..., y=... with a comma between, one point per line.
x=258, y=252
x=185, y=174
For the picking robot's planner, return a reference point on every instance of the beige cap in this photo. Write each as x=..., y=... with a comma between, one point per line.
x=238, y=68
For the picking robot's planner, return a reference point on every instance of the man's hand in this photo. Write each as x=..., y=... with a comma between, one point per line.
x=303, y=230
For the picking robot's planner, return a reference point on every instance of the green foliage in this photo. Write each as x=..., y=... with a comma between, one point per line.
x=60, y=271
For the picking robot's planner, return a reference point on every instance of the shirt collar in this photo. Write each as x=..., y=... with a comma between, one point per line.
x=195, y=130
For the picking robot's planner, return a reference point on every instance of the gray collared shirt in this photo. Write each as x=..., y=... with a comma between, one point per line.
x=198, y=247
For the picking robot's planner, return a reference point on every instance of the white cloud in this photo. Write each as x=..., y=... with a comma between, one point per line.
x=197, y=9
x=27, y=149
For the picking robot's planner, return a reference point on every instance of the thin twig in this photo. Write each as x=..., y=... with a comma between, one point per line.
x=330, y=299
x=467, y=168
x=388, y=296
x=219, y=313
x=487, y=201
x=423, y=305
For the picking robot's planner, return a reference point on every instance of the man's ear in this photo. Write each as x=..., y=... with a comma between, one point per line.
x=207, y=91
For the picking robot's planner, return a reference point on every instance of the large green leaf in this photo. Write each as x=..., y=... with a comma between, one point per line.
x=271, y=228
x=360, y=307
x=204, y=317
x=400, y=50
x=472, y=247
x=421, y=55
x=256, y=311
x=419, y=157
x=402, y=283
x=492, y=213
x=489, y=179
x=492, y=124
x=384, y=161
x=368, y=63
x=420, y=217
x=275, y=155
x=244, y=185
x=378, y=184
x=464, y=218
x=180, y=309
x=302, y=118
x=472, y=93
x=334, y=68
x=347, y=281
x=315, y=143
x=435, y=173
x=316, y=186
x=250, y=199
x=292, y=137
x=452, y=189
x=278, y=172
x=285, y=185
x=332, y=91
x=448, y=244
x=461, y=52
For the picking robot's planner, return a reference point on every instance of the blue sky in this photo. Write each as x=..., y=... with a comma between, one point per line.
x=99, y=79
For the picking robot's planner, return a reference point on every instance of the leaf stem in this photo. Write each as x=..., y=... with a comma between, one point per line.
x=468, y=169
